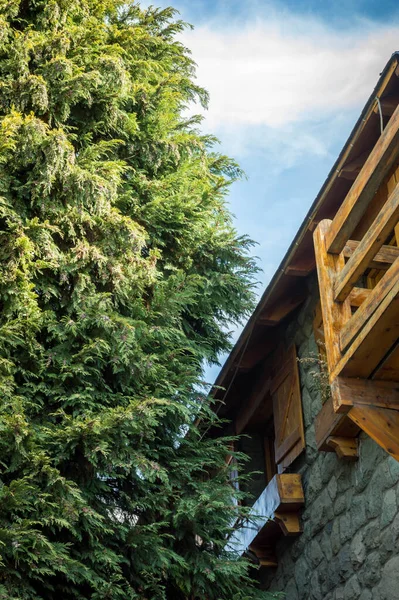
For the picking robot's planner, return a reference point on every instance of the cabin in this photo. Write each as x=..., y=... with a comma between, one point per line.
x=313, y=383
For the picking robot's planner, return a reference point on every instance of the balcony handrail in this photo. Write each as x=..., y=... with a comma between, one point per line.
x=362, y=192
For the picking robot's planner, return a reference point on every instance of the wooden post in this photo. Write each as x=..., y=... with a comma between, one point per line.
x=335, y=314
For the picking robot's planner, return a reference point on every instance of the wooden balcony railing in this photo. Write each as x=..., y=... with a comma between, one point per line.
x=361, y=322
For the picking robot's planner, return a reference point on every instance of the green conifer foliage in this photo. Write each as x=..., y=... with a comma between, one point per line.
x=120, y=268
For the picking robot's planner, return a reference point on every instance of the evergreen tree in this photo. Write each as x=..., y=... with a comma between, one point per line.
x=120, y=269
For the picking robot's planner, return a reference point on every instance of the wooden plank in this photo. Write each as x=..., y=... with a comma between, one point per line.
x=368, y=247
x=358, y=296
x=376, y=338
x=381, y=424
x=287, y=444
x=351, y=329
x=287, y=411
x=346, y=448
x=329, y=423
x=382, y=260
x=283, y=372
x=373, y=208
x=348, y=391
x=335, y=315
x=365, y=186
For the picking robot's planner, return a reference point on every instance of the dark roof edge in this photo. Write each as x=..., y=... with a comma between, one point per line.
x=301, y=231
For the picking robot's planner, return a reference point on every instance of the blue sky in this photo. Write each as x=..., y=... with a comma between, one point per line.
x=287, y=81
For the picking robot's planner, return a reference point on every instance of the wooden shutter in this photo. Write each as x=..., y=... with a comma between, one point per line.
x=287, y=411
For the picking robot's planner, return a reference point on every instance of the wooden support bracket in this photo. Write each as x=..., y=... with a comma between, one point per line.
x=265, y=555
x=329, y=423
x=347, y=448
x=370, y=405
x=289, y=522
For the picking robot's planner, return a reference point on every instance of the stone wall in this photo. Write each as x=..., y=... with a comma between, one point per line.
x=349, y=548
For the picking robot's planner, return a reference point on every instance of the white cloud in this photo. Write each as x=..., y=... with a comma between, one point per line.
x=285, y=69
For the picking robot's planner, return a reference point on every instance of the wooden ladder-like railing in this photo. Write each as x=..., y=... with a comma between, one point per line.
x=361, y=326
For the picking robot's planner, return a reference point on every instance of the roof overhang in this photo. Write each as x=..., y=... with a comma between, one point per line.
x=287, y=285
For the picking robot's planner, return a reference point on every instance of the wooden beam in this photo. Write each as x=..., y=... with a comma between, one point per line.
x=348, y=391
x=376, y=338
x=368, y=247
x=299, y=270
x=358, y=296
x=365, y=186
x=347, y=448
x=381, y=424
x=352, y=328
x=335, y=315
x=388, y=105
x=382, y=260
